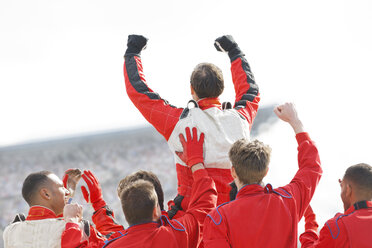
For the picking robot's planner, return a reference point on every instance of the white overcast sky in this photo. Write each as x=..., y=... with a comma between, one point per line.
x=61, y=68
x=61, y=61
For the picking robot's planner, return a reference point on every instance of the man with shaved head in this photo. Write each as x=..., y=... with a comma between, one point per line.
x=353, y=228
x=44, y=227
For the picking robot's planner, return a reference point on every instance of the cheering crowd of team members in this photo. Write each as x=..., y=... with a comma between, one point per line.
x=222, y=200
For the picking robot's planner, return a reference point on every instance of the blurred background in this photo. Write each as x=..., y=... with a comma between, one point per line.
x=63, y=102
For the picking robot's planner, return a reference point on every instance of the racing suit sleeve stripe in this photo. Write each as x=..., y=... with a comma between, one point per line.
x=215, y=236
x=247, y=94
x=323, y=240
x=156, y=110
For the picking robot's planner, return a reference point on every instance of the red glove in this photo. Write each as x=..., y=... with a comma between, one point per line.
x=310, y=220
x=192, y=148
x=65, y=178
x=94, y=195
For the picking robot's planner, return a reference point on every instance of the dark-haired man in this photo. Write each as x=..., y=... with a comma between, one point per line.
x=152, y=178
x=44, y=226
x=353, y=228
x=222, y=125
x=148, y=227
x=147, y=176
x=262, y=216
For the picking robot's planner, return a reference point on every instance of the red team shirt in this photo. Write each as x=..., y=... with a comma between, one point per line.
x=181, y=232
x=350, y=229
x=263, y=216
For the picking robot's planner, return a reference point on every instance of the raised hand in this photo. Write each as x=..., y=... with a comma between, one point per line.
x=192, y=148
x=73, y=213
x=287, y=112
x=70, y=180
x=225, y=43
x=94, y=195
x=136, y=43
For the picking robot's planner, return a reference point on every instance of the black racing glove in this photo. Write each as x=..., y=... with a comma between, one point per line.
x=136, y=43
x=227, y=44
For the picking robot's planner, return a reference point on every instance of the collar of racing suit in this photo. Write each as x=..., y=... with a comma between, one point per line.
x=359, y=205
x=41, y=213
x=144, y=226
x=206, y=103
x=250, y=189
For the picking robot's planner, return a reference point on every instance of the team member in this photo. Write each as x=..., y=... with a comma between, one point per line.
x=148, y=228
x=222, y=126
x=152, y=178
x=353, y=227
x=262, y=216
x=44, y=226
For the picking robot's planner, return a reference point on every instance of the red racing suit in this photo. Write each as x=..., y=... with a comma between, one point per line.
x=263, y=216
x=168, y=120
x=181, y=232
x=351, y=229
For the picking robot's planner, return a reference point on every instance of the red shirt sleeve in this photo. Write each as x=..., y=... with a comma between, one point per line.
x=310, y=239
x=203, y=200
x=104, y=220
x=156, y=110
x=72, y=237
x=302, y=186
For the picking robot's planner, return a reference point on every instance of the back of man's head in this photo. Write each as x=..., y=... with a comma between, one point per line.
x=360, y=176
x=147, y=176
x=250, y=160
x=138, y=201
x=207, y=80
x=32, y=185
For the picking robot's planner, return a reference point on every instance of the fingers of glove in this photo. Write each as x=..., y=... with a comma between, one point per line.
x=188, y=134
x=87, y=181
x=226, y=42
x=218, y=46
x=92, y=177
x=137, y=41
x=65, y=177
x=182, y=140
x=195, y=134
x=64, y=180
x=85, y=193
x=201, y=139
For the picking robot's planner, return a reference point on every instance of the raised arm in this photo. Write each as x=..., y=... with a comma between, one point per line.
x=103, y=217
x=302, y=186
x=72, y=236
x=70, y=180
x=203, y=193
x=156, y=110
x=247, y=94
x=310, y=236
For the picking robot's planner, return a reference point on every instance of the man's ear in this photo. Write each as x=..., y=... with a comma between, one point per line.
x=45, y=194
x=193, y=94
x=233, y=172
x=192, y=90
x=155, y=214
x=349, y=190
